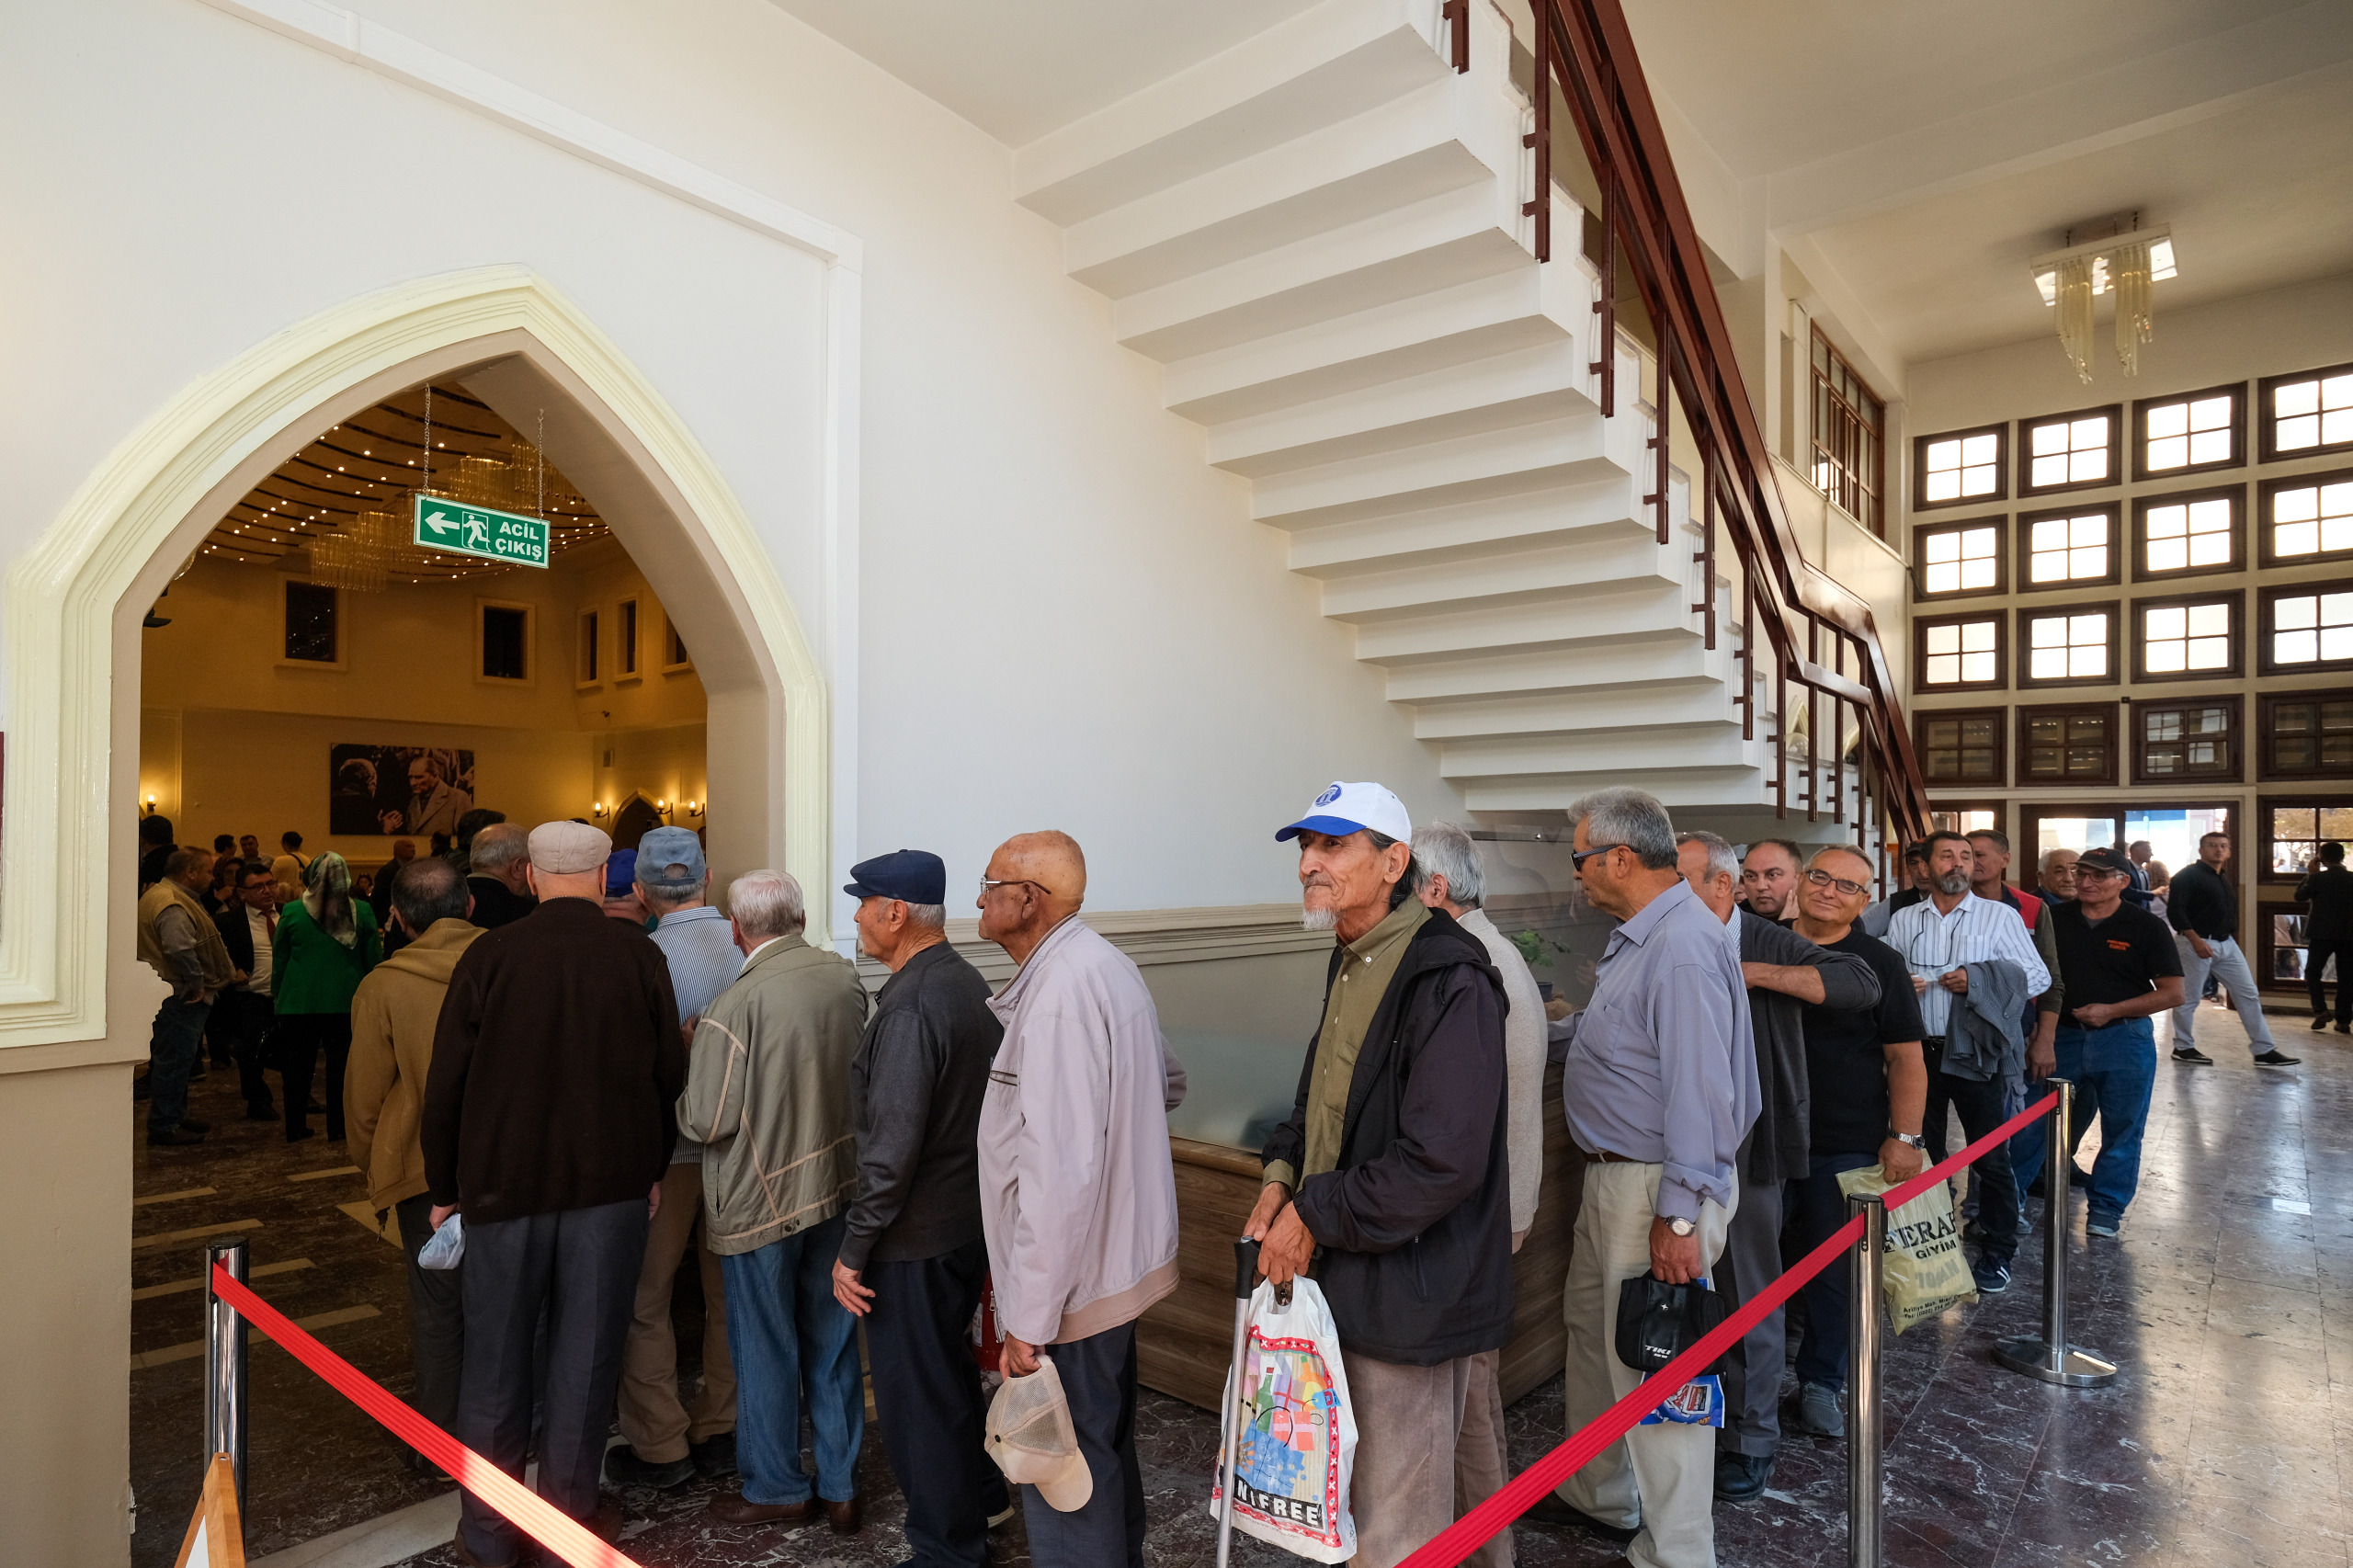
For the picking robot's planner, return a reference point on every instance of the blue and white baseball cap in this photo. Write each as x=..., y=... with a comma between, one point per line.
x=1351, y=808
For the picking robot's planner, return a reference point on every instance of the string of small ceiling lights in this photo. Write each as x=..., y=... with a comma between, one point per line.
x=344, y=501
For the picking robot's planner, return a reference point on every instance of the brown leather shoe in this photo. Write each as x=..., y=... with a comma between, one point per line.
x=845, y=1516
x=730, y=1508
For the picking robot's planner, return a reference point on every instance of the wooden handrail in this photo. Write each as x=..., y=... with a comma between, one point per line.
x=1586, y=46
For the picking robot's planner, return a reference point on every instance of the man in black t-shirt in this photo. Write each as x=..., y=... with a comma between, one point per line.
x=2119, y=968
x=1870, y=1086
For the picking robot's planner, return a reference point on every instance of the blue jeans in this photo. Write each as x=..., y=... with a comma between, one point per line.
x=791, y=1340
x=1816, y=1207
x=2115, y=1072
x=178, y=1035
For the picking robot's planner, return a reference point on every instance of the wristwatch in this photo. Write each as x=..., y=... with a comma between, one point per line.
x=1913, y=1139
x=1681, y=1227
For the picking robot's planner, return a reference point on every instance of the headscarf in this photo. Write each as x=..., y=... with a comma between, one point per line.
x=328, y=898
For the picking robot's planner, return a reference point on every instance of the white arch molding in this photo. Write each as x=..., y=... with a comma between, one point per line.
x=74, y=602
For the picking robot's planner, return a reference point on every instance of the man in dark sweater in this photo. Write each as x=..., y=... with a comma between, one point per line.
x=500, y=875
x=2204, y=910
x=548, y=1122
x=2328, y=933
x=913, y=1257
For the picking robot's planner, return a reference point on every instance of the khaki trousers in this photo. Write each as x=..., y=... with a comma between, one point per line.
x=1660, y=1478
x=653, y=1420
x=1482, y=1459
x=1401, y=1491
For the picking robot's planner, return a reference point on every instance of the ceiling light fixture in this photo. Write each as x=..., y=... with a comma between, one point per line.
x=2111, y=254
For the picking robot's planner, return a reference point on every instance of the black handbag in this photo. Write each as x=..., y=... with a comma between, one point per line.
x=1657, y=1322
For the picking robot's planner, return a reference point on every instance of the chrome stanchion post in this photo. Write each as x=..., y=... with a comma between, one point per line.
x=225, y=1364
x=2049, y=1357
x=1865, y=1548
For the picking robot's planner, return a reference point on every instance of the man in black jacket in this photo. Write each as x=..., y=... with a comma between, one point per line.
x=244, y=1012
x=1394, y=1163
x=913, y=1256
x=2328, y=933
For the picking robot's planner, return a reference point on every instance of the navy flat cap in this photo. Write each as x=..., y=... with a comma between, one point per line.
x=916, y=875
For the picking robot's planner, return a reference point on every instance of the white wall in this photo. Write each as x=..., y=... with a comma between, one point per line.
x=1068, y=617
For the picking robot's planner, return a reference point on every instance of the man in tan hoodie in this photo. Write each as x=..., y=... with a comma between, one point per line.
x=393, y=1015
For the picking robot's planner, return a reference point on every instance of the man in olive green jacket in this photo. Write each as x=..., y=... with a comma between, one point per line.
x=769, y=1096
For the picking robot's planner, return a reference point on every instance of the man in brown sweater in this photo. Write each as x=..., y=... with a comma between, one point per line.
x=548, y=1123
x=393, y=1017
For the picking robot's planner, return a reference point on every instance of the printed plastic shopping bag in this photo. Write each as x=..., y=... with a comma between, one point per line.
x=445, y=1248
x=1924, y=1270
x=1657, y=1322
x=1290, y=1479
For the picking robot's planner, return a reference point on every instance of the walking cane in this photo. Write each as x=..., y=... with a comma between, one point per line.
x=1246, y=1279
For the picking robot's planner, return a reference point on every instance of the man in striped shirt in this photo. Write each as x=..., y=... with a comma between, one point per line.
x=1940, y=936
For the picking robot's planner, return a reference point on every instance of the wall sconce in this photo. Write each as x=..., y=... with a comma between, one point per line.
x=600, y=808
x=694, y=808
x=150, y=805
x=662, y=810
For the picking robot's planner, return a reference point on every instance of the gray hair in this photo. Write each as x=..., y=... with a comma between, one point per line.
x=1722, y=860
x=428, y=890
x=2049, y=854
x=1632, y=817
x=767, y=903
x=1442, y=849
x=499, y=845
x=930, y=916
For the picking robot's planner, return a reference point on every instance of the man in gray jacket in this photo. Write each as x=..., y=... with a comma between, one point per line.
x=1782, y=970
x=769, y=1098
x=1078, y=1196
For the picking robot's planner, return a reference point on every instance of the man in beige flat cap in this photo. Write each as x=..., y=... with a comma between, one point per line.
x=548, y=1124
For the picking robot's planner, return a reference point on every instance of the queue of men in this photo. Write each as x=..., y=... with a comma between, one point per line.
x=592, y=1103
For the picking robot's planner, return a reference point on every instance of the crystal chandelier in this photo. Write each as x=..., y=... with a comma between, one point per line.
x=2114, y=255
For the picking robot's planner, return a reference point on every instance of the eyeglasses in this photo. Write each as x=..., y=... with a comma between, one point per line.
x=2098, y=873
x=1578, y=857
x=1824, y=879
x=1013, y=882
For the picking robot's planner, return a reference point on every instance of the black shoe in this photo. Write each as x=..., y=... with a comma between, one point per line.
x=173, y=1137
x=262, y=1110
x=189, y=1124
x=196, y=1075
x=1993, y=1276
x=1550, y=1510
x=2275, y=1057
x=2320, y=1023
x=1740, y=1477
x=624, y=1468
x=315, y=1108
x=2192, y=1055
x=713, y=1458
x=2344, y=1028
x=296, y=1134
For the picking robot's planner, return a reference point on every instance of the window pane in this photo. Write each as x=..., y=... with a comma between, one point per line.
x=504, y=639
x=311, y=629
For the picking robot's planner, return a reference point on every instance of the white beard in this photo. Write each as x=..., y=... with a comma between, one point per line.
x=1325, y=919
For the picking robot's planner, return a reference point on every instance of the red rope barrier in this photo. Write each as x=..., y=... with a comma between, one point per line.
x=1470, y=1532
x=530, y=1513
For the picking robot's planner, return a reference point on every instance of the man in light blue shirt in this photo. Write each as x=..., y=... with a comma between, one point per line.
x=667, y=1442
x=1660, y=1086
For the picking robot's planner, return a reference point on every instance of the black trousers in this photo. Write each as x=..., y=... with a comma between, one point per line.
x=1098, y=1375
x=578, y=1267
x=301, y=1038
x=927, y=1393
x=2316, y=959
x=437, y=1319
x=1980, y=1105
x=244, y=1019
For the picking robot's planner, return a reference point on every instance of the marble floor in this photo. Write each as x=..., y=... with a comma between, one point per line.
x=2228, y=1302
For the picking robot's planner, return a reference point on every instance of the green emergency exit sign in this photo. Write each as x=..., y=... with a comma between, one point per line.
x=461, y=530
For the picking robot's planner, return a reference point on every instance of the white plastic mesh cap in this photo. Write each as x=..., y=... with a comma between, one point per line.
x=1030, y=1436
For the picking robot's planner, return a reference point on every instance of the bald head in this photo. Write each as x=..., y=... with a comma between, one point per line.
x=1038, y=881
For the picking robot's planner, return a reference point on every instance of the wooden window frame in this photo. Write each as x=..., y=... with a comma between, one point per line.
x=2021, y=640
x=673, y=641
x=2027, y=712
x=2025, y=565
x=2142, y=507
x=1999, y=494
x=2267, y=449
x=530, y=612
x=341, y=661
x=1920, y=624
x=2267, y=765
x=2142, y=474
x=2235, y=598
x=588, y=648
x=2264, y=599
x=1923, y=532
x=629, y=638
x=2293, y=801
x=2236, y=738
x=2024, y=458
x=1921, y=717
x=1871, y=487
x=1998, y=809
x=2265, y=556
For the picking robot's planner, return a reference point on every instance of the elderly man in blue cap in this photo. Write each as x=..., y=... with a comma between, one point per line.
x=912, y=1255
x=667, y=1442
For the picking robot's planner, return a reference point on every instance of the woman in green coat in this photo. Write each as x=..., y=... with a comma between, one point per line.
x=326, y=941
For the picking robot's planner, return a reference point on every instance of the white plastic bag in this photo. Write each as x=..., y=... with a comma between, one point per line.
x=445, y=1248
x=1924, y=1271
x=1291, y=1477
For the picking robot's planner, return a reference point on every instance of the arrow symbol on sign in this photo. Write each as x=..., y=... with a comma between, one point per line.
x=439, y=523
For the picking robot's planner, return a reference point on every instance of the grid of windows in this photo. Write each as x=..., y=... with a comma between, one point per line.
x=2071, y=451
x=2308, y=734
x=2311, y=411
x=2193, y=741
x=2071, y=547
x=2309, y=518
x=1962, y=560
x=2067, y=746
x=2183, y=434
x=2298, y=830
x=1847, y=425
x=2070, y=645
x=1963, y=466
x=1960, y=653
x=2191, y=638
x=1962, y=745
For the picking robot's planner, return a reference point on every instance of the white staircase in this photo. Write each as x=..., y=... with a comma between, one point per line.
x=1319, y=236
